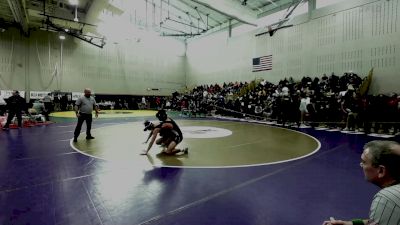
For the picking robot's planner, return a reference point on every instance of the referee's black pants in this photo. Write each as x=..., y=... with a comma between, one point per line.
x=11, y=114
x=83, y=117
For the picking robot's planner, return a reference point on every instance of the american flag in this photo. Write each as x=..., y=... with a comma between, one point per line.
x=262, y=63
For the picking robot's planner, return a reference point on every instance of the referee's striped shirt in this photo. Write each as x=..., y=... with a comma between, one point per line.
x=385, y=207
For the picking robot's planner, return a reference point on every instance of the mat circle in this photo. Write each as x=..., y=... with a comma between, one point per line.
x=247, y=145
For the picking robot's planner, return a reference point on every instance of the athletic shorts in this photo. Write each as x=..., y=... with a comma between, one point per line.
x=172, y=135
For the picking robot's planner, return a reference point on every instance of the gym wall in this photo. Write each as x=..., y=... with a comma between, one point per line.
x=354, y=35
x=127, y=67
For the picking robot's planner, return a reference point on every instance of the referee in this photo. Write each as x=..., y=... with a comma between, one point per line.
x=83, y=108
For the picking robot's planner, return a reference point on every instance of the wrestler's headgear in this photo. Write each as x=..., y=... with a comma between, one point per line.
x=162, y=115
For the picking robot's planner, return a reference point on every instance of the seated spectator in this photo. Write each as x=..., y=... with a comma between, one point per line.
x=282, y=102
x=38, y=107
x=258, y=110
x=37, y=110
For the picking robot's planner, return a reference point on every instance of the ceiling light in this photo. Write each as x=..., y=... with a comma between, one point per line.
x=62, y=37
x=73, y=2
x=66, y=30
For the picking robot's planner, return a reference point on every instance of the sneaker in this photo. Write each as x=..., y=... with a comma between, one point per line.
x=304, y=126
x=89, y=137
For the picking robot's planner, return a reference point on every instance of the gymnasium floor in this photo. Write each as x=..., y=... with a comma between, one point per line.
x=47, y=179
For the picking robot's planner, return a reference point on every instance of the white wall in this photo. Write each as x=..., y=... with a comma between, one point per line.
x=351, y=35
x=218, y=59
x=129, y=67
x=354, y=35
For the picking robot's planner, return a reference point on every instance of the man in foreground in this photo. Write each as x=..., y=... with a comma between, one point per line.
x=381, y=165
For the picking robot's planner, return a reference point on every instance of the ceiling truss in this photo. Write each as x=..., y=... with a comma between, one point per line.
x=179, y=18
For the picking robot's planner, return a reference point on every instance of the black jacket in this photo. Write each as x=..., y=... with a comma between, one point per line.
x=16, y=103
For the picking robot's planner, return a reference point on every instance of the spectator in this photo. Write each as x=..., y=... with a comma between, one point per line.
x=38, y=107
x=258, y=110
x=313, y=113
x=47, y=103
x=393, y=113
x=333, y=103
x=168, y=104
x=380, y=162
x=350, y=109
x=38, y=110
x=64, y=102
x=143, y=103
x=2, y=105
x=16, y=104
x=304, y=101
x=56, y=101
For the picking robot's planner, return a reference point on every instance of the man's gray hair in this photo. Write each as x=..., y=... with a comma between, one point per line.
x=385, y=153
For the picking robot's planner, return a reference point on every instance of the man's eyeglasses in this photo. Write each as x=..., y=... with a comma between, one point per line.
x=363, y=163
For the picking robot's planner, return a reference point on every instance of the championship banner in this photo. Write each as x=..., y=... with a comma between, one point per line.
x=8, y=93
x=38, y=94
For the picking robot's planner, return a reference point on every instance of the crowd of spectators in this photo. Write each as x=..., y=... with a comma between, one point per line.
x=335, y=102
